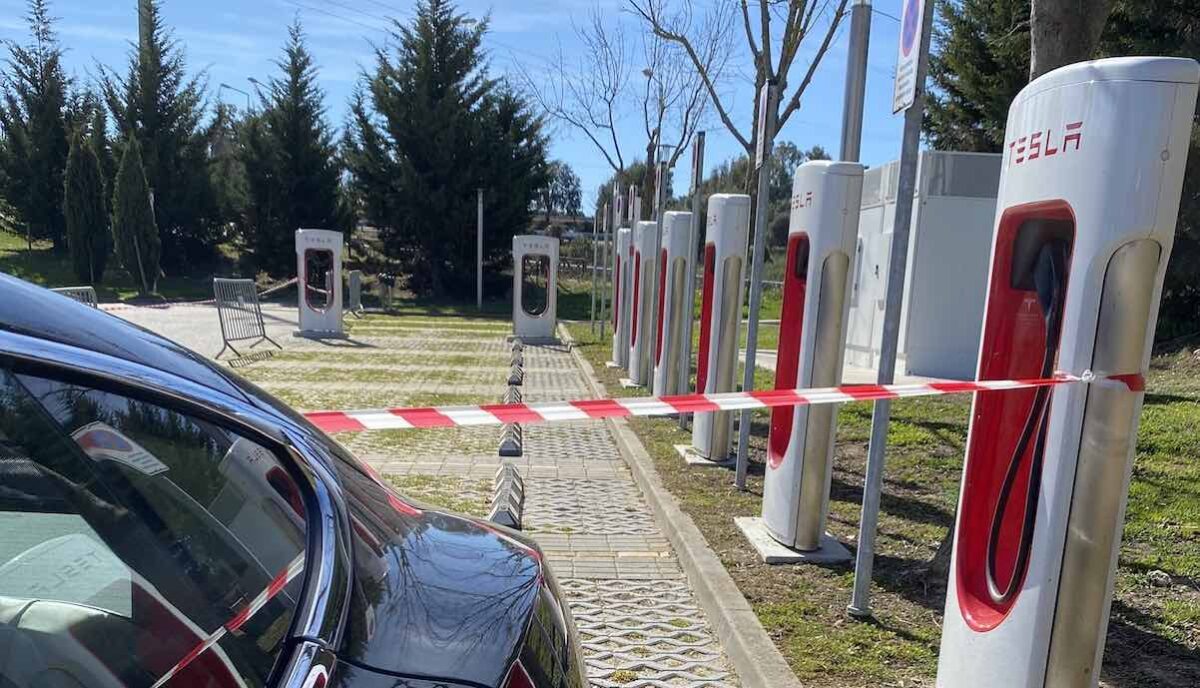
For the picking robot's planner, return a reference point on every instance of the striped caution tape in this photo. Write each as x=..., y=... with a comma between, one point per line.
x=277, y=584
x=586, y=409
x=110, y=307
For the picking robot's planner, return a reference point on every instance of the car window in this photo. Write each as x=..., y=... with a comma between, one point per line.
x=139, y=546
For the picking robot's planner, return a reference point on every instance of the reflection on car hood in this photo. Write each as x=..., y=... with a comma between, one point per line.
x=435, y=595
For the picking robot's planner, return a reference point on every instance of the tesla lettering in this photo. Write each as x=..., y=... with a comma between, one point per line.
x=1041, y=144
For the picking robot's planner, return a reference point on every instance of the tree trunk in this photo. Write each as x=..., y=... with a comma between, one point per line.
x=1063, y=32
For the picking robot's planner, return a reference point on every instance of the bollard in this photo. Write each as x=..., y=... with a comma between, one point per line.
x=725, y=241
x=508, y=497
x=512, y=440
x=1085, y=221
x=642, y=274
x=672, y=300
x=812, y=338
x=354, y=293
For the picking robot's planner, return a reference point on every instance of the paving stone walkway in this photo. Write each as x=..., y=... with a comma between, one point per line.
x=640, y=623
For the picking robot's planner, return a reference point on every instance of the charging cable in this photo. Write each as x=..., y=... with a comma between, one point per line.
x=1050, y=281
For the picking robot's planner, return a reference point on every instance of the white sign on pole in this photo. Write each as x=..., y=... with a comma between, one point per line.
x=907, y=54
x=764, y=102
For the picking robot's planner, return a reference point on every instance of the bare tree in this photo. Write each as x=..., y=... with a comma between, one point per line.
x=605, y=87
x=1063, y=32
x=593, y=98
x=693, y=31
x=675, y=99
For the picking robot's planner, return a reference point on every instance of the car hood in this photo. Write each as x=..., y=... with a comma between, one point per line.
x=435, y=594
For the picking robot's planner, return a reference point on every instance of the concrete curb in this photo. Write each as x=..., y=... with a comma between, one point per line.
x=757, y=661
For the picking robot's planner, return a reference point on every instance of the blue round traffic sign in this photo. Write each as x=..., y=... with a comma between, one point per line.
x=909, y=25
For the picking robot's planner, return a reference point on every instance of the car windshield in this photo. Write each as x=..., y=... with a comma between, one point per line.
x=139, y=546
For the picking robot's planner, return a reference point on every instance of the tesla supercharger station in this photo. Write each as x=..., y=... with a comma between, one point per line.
x=672, y=300
x=725, y=239
x=812, y=338
x=1089, y=194
x=620, y=313
x=642, y=272
x=535, y=287
x=319, y=274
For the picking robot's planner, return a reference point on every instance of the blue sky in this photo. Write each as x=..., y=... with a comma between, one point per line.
x=236, y=39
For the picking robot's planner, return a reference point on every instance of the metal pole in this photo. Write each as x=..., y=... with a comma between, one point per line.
x=856, y=80
x=860, y=602
x=479, y=252
x=595, y=254
x=766, y=134
x=685, y=362
x=605, y=275
x=660, y=202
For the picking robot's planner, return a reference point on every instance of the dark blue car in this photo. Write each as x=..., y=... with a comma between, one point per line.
x=165, y=523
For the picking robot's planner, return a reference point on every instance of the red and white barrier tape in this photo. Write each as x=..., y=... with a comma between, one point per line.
x=110, y=307
x=277, y=584
x=585, y=409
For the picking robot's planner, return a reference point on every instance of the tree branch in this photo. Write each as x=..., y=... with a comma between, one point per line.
x=794, y=103
x=750, y=34
x=650, y=14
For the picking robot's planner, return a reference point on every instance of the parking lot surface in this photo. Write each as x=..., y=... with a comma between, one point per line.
x=639, y=621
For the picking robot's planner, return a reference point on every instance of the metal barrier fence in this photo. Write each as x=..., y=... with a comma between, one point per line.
x=84, y=295
x=240, y=313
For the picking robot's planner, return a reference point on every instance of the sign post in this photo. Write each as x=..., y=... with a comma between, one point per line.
x=685, y=363
x=914, y=47
x=766, y=132
x=479, y=253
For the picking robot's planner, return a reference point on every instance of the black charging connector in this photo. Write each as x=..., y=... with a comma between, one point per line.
x=1048, y=274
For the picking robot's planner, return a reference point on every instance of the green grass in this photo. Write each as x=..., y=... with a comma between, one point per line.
x=1154, y=634
x=431, y=373
x=461, y=495
x=42, y=266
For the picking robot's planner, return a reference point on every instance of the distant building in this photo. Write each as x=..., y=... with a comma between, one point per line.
x=564, y=227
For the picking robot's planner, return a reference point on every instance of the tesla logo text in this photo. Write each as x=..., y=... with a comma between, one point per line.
x=803, y=200
x=1045, y=144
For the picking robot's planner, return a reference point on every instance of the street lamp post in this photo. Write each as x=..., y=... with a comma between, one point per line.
x=235, y=89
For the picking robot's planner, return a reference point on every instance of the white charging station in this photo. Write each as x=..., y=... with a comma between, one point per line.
x=826, y=197
x=1093, y=167
x=640, y=306
x=673, y=298
x=725, y=239
x=535, y=288
x=319, y=276
x=622, y=248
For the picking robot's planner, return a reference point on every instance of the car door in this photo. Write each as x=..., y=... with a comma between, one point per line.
x=141, y=545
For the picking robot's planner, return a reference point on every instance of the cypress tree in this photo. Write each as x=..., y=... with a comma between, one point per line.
x=99, y=143
x=84, y=211
x=979, y=61
x=291, y=162
x=427, y=128
x=33, y=123
x=134, y=230
x=157, y=103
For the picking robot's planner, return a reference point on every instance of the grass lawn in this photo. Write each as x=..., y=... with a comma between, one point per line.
x=1154, y=634
x=42, y=266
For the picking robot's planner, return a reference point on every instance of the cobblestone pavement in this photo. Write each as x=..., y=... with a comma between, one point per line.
x=639, y=622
